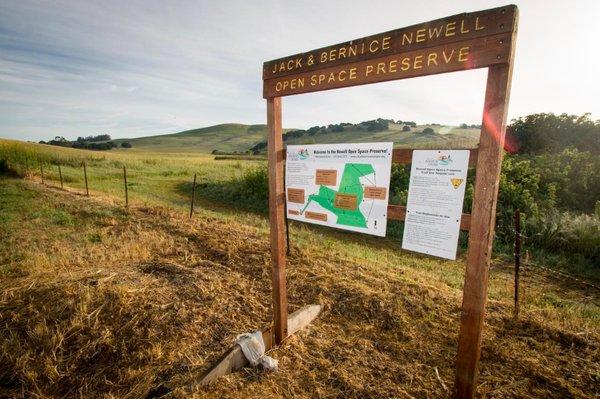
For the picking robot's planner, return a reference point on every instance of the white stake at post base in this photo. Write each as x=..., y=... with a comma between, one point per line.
x=234, y=358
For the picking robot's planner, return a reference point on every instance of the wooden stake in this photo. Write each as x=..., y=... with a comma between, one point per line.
x=87, y=190
x=61, y=179
x=126, y=192
x=193, y=197
x=277, y=218
x=517, y=260
x=481, y=234
x=42, y=172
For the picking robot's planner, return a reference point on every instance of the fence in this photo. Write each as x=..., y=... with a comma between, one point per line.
x=52, y=173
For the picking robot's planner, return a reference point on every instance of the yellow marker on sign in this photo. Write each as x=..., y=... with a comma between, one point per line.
x=456, y=182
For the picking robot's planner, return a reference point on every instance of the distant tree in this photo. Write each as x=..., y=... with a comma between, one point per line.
x=126, y=144
x=60, y=141
x=335, y=128
x=406, y=128
x=375, y=125
x=293, y=134
x=464, y=126
x=314, y=130
x=542, y=133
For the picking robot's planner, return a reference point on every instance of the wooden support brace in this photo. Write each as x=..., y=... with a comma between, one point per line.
x=234, y=359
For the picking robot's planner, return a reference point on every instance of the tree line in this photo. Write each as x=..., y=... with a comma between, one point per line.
x=375, y=125
x=100, y=142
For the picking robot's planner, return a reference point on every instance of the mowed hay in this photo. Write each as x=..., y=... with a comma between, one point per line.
x=146, y=309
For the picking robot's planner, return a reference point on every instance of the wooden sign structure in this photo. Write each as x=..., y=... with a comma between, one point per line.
x=483, y=39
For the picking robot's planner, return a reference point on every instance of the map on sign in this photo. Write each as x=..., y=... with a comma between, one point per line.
x=340, y=185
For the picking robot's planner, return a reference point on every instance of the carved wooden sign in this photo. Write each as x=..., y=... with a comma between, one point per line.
x=464, y=41
x=460, y=42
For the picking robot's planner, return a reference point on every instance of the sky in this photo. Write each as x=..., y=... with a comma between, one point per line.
x=137, y=68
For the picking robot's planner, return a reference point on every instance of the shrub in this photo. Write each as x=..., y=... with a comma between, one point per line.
x=574, y=175
x=565, y=232
x=255, y=184
x=543, y=133
x=126, y=144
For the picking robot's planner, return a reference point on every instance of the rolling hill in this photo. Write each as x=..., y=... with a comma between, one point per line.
x=229, y=137
x=235, y=137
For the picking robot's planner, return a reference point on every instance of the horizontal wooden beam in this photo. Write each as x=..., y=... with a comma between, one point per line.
x=457, y=56
x=455, y=28
x=398, y=212
x=404, y=155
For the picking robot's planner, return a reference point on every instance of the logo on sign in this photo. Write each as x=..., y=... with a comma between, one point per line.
x=441, y=160
x=456, y=182
x=302, y=153
x=444, y=160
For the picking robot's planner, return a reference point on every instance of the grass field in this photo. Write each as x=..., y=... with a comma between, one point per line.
x=230, y=137
x=101, y=301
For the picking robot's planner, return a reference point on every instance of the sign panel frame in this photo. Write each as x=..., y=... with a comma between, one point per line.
x=334, y=179
x=491, y=42
x=436, y=194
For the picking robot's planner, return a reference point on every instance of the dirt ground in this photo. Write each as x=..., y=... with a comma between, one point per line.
x=120, y=303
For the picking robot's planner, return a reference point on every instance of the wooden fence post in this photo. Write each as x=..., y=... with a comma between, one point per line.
x=193, y=197
x=60, y=176
x=42, y=172
x=277, y=218
x=87, y=190
x=481, y=234
x=517, y=260
x=125, y=180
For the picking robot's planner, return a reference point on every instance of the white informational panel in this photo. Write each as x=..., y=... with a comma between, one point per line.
x=339, y=185
x=435, y=201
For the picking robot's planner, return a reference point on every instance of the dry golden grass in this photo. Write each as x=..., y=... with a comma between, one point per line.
x=101, y=302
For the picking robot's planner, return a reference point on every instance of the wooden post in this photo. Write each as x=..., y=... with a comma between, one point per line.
x=277, y=218
x=60, y=176
x=42, y=171
x=285, y=212
x=287, y=230
x=481, y=234
x=517, y=260
x=87, y=190
x=126, y=192
x=193, y=196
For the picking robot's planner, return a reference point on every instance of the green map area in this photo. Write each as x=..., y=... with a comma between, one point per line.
x=350, y=184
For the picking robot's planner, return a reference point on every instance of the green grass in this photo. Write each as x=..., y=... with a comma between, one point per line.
x=229, y=137
x=231, y=188
x=78, y=268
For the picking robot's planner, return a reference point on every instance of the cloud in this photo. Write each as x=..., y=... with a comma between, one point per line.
x=149, y=67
